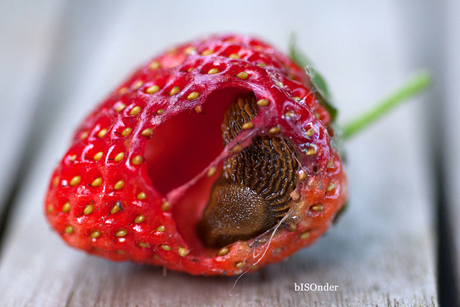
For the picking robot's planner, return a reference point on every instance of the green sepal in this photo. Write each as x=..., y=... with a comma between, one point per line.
x=318, y=83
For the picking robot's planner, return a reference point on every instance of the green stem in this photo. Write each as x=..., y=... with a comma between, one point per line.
x=412, y=87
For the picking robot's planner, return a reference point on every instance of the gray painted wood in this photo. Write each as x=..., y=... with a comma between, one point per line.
x=452, y=128
x=27, y=34
x=380, y=253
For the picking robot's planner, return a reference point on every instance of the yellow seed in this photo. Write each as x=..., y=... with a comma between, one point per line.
x=123, y=90
x=174, y=91
x=114, y=209
x=98, y=156
x=199, y=109
x=120, y=252
x=234, y=56
x=95, y=234
x=66, y=207
x=292, y=227
x=274, y=130
x=119, y=185
x=277, y=250
x=223, y=251
x=242, y=75
x=189, y=50
x=330, y=164
x=166, y=247
x=96, y=182
x=211, y=171
x=137, y=160
x=145, y=245
x=121, y=233
x=213, y=71
x=126, y=131
x=302, y=175
x=120, y=107
x=135, y=110
x=261, y=64
x=119, y=156
x=72, y=158
x=190, y=69
x=237, y=148
x=310, y=132
x=240, y=264
x=84, y=135
x=207, y=52
x=295, y=195
x=182, y=251
x=147, y=132
x=50, y=208
x=330, y=187
x=152, y=89
x=56, y=181
x=248, y=125
x=305, y=235
x=166, y=206
x=289, y=114
x=138, y=84
x=102, y=132
x=154, y=65
x=141, y=195
x=68, y=229
x=317, y=115
x=311, y=151
x=88, y=209
x=317, y=208
x=160, y=111
x=75, y=180
x=263, y=102
x=139, y=219
x=255, y=267
x=193, y=95
x=161, y=228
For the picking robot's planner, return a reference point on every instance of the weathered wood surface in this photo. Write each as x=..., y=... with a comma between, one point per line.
x=452, y=128
x=26, y=45
x=382, y=251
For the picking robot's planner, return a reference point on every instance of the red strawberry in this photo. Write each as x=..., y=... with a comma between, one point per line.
x=213, y=158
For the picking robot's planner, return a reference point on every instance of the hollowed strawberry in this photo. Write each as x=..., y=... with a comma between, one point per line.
x=212, y=158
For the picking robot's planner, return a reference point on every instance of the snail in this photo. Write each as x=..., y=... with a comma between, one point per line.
x=253, y=192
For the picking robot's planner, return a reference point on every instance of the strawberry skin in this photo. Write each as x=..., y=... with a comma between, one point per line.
x=140, y=169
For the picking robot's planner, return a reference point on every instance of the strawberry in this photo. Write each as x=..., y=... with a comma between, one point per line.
x=213, y=158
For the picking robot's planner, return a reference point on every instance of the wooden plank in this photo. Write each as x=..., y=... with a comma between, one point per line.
x=451, y=138
x=26, y=36
x=380, y=253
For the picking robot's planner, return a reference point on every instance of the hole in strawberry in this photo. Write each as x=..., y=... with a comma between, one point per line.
x=187, y=143
x=188, y=211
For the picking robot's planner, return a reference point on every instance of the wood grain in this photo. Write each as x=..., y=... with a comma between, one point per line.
x=380, y=253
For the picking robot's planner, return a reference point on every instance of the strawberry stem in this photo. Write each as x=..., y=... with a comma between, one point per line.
x=412, y=87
